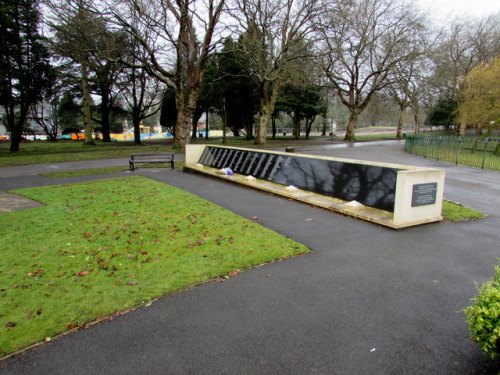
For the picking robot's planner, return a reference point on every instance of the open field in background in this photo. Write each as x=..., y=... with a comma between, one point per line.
x=112, y=245
x=42, y=152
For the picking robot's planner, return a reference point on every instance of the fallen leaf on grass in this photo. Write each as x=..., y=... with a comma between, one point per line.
x=32, y=314
x=82, y=273
x=235, y=273
x=72, y=326
x=132, y=283
x=35, y=273
x=10, y=325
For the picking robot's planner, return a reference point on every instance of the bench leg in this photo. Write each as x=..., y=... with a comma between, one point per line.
x=172, y=164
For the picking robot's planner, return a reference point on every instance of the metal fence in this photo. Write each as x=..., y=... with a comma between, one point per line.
x=468, y=150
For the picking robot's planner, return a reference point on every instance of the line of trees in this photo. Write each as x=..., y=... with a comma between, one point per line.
x=246, y=60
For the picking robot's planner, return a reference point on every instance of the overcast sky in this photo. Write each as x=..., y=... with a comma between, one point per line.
x=445, y=9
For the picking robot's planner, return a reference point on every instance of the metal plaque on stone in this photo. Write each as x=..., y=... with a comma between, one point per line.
x=424, y=194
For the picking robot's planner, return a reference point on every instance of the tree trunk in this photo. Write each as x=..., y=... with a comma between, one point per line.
x=18, y=126
x=309, y=123
x=273, y=124
x=224, y=126
x=86, y=104
x=462, y=126
x=182, y=127
x=206, y=125
x=260, y=134
x=136, y=122
x=105, y=112
x=350, y=134
x=194, y=131
x=296, y=127
x=417, y=124
x=399, y=131
x=249, y=128
x=267, y=105
x=186, y=105
x=15, y=139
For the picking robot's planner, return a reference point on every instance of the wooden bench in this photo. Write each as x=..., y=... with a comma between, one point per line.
x=150, y=158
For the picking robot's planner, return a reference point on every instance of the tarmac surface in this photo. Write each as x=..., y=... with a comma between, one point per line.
x=366, y=300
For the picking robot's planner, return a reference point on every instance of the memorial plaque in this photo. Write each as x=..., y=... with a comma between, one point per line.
x=372, y=186
x=424, y=194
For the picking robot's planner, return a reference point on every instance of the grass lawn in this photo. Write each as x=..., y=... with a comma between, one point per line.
x=55, y=152
x=456, y=212
x=100, y=247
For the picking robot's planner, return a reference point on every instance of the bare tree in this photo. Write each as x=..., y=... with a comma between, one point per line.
x=363, y=40
x=462, y=46
x=379, y=111
x=105, y=68
x=44, y=113
x=143, y=95
x=277, y=36
x=76, y=29
x=168, y=33
x=405, y=87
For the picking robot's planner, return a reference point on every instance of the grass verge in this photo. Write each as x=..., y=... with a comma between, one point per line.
x=111, y=245
x=456, y=212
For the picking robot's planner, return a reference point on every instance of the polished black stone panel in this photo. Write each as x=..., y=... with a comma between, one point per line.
x=370, y=185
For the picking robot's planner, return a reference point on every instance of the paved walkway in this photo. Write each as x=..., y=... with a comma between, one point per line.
x=367, y=300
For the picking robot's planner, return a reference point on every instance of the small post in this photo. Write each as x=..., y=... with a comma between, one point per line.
x=439, y=148
x=459, y=147
x=484, y=153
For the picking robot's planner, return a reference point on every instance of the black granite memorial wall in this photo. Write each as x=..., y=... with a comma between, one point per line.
x=371, y=185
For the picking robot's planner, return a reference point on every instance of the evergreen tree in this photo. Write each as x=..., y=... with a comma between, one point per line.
x=24, y=63
x=168, y=113
x=444, y=112
x=301, y=102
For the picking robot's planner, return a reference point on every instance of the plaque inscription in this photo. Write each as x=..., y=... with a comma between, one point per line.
x=424, y=194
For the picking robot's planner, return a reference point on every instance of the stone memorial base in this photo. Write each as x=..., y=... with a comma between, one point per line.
x=392, y=195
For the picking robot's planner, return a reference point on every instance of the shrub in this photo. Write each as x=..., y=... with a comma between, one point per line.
x=483, y=316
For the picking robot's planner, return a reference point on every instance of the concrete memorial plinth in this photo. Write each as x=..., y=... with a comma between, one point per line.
x=392, y=195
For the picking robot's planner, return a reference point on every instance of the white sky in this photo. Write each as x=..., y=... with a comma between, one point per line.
x=444, y=10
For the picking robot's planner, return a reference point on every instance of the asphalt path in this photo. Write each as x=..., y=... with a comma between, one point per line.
x=366, y=300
